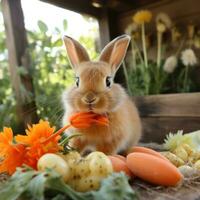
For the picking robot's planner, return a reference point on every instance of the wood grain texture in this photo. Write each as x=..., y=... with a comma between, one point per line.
x=85, y=6
x=16, y=42
x=180, y=11
x=108, y=28
x=155, y=128
x=80, y=6
x=162, y=114
x=169, y=105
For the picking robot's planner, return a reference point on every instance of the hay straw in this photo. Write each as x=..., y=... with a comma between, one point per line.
x=189, y=186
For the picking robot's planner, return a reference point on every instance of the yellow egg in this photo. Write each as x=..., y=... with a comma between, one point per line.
x=99, y=164
x=72, y=155
x=87, y=184
x=96, y=154
x=56, y=163
x=81, y=168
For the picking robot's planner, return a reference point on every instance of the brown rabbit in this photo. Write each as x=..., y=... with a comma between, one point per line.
x=95, y=91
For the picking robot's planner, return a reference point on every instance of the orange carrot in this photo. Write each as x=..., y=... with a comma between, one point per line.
x=81, y=125
x=153, y=169
x=148, y=151
x=88, y=118
x=120, y=157
x=79, y=114
x=83, y=116
x=100, y=122
x=120, y=166
x=81, y=120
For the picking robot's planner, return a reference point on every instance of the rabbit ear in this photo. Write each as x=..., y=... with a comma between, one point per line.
x=75, y=51
x=114, y=52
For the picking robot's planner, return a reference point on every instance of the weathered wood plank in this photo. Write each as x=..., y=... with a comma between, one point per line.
x=169, y=105
x=155, y=128
x=18, y=57
x=173, y=8
x=107, y=26
x=85, y=6
x=80, y=6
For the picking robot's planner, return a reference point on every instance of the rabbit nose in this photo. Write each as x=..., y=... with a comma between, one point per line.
x=89, y=98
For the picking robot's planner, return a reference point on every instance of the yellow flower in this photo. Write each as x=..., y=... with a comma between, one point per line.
x=173, y=141
x=143, y=16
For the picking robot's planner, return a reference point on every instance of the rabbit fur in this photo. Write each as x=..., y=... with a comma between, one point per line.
x=94, y=90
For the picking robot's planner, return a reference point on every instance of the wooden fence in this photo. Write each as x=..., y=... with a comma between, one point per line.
x=162, y=114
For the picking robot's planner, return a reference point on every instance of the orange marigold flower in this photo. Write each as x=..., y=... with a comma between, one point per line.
x=36, y=133
x=11, y=155
x=35, y=140
x=82, y=120
x=37, y=150
x=6, y=139
x=39, y=140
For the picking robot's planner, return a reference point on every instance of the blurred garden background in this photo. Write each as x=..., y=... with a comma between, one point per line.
x=49, y=68
x=163, y=56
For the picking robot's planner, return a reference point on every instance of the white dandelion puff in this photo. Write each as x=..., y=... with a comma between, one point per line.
x=164, y=19
x=161, y=27
x=170, y=64
x=188, y=57
x=131, y=28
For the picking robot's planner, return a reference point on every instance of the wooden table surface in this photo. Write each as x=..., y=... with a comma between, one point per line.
x=189, y=190
x=185, y=191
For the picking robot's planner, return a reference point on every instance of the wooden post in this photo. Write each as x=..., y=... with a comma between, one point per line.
x=108, y=29
x=108, y=26
x=18, y=57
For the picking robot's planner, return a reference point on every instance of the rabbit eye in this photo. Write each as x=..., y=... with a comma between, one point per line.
x=108, y=81
x=77, y=81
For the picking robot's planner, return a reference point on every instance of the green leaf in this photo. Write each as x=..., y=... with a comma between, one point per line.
x=59, y=197
x=58, y=43
x=115, y=187
x=56, y=183
x=18, y=184
x=22, y=71
x=41, y=185
x=57, y=30
x=42, y=26
x=36, y=186
x=65, y=24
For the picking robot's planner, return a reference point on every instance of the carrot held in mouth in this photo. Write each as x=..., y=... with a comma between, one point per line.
x=82, y=120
